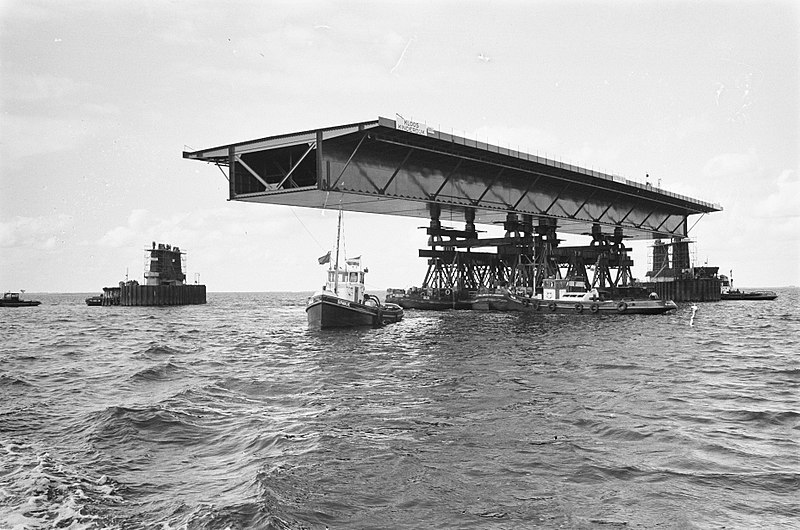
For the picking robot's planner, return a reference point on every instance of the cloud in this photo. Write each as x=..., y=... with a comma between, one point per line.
x=693, y=127
x=731, y=165
x=784, y=203
x=24, y=136
x=43, y=233
x=27, y=88
x=200, y=228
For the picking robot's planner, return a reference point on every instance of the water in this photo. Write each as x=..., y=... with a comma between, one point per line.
x=235, y=415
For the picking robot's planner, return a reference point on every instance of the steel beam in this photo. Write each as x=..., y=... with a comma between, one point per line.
x=376, y=167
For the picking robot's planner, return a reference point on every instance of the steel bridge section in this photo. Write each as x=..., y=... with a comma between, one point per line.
x=377, y=167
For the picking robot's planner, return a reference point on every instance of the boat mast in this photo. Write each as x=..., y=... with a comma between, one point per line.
x=336, y=267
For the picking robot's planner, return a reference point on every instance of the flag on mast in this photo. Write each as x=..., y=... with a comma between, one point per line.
x=325, y=259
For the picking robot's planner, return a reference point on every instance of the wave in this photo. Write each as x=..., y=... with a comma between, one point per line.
x=788, y=371
x=763, y=417
x=208, y=516
x=156, y=349
x=42, y=491
x=153, y=424
x=10, y=380
x=163, y=371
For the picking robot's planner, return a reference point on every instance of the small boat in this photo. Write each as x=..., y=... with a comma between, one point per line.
x=562, y=296
x=430, y=299
x=736, y=294
x=593, y=302
x=94, y=300
x=729, y=293
x=13, y=300
x=343, y=302
x=503, y=300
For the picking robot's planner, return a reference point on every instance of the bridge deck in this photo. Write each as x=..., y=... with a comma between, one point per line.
x=403, y=168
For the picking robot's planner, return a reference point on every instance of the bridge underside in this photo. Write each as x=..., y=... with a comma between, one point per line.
x=403, y=168
x=376, y=167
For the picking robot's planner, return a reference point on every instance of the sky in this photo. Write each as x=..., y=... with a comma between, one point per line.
x=100, y=99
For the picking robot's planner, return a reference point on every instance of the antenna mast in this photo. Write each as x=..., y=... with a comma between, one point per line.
x=336, y=268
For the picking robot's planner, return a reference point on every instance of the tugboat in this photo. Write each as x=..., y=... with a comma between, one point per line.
x=94, y=300
x=729, y=293
x=342, y=302
x=13, y=300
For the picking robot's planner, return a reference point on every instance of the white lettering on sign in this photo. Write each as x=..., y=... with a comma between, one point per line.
x=415, y=127
x=342, y=302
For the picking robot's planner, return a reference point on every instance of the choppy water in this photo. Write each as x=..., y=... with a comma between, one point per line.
x=235, y=415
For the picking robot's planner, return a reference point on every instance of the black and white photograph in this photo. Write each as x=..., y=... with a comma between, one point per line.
x=316, y=265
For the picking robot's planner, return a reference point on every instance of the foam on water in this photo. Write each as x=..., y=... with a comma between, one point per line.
x=39, y=491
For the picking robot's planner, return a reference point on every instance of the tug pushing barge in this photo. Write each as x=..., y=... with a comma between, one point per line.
x=403, y=167
x=165, y=283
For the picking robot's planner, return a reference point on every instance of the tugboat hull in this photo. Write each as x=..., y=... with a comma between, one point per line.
x=13, y=300
x=24, y=303
x=325, y=311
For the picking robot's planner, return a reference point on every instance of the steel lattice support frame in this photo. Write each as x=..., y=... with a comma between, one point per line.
x=521, y=259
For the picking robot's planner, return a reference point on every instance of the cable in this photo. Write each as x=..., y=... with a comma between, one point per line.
x=306, y=228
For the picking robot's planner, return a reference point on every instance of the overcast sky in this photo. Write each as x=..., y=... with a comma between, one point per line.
x=99, y=99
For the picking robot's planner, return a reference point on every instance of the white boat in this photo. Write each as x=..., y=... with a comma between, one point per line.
x=564, y=296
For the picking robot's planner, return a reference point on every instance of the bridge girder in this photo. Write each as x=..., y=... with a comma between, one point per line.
x=377, y=167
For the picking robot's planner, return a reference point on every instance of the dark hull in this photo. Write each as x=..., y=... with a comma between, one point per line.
x=429, y=303
x=499, y=302
x=150, y=295
x=686, y=289
x=20, y=303
x=628, y=307
x=753, y=295
x=331, y=312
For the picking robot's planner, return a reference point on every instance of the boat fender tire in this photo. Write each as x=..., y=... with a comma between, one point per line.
x=448, y=292
x=579, y=308
x=622, y=307
x=551, y=306
x=536, y=305
x=595, y=308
